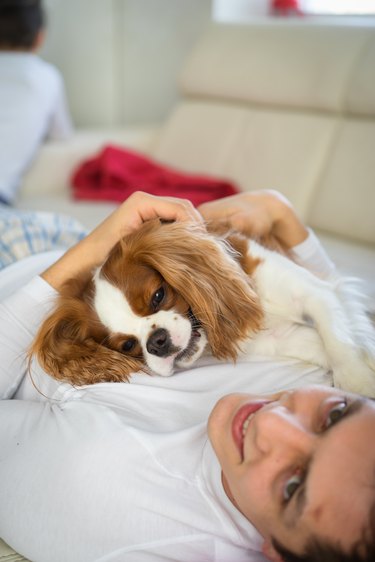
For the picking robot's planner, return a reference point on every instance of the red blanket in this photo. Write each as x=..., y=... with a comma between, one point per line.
x=115, y=173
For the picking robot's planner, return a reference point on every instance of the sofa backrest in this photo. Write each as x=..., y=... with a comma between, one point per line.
x=289, y=106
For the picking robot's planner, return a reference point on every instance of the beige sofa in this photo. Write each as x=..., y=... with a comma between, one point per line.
x=269, y=105
x=278, y=105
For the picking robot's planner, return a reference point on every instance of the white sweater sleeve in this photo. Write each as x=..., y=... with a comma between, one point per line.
x=20, y=317
x=311, y=255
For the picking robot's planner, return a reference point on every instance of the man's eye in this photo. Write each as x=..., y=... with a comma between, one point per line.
x=291, y=486
x=336, y=413
x=157, y=298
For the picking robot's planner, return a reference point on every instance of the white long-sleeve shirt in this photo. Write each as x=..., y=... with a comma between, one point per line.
x=121, y=471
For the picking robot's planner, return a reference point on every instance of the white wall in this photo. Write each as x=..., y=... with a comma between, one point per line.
x=121, y=58
x=239, y=10
x=156, y=37
x=80, y=42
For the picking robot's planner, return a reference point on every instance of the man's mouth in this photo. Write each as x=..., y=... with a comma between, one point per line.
x=242, y=421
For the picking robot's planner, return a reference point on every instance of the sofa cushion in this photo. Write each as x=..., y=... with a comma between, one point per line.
x=344, y=198
x=293, y=64
x=288, y=106
x=257, y=148
x=360, y=96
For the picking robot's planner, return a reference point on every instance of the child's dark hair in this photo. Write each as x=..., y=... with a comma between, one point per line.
x=20, y=23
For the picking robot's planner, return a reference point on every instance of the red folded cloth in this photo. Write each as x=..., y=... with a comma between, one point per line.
x=115, y=173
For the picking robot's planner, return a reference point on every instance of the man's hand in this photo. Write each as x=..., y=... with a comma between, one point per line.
x=92, y=251
x=259, y=214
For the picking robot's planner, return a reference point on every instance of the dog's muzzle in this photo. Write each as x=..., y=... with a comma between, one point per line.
x=159, y=343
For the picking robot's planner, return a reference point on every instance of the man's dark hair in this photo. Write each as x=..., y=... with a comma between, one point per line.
x=20, y=23
x=317, y=551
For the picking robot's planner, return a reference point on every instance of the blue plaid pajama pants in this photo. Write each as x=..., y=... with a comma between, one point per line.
x=24, y=233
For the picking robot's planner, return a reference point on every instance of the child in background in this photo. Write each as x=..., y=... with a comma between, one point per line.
x=32, y=96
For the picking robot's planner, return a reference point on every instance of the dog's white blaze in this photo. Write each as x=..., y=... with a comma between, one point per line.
x=115, y=312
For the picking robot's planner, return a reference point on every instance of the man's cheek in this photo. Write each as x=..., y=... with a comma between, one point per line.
x=252, y=496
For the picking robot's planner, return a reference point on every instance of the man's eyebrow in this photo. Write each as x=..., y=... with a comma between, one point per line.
x=300, y=497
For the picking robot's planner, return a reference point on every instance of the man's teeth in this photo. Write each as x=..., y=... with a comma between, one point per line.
x=246, y=423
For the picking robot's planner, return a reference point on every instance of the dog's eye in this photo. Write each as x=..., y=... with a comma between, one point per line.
x=128, y=345
x=157, y=298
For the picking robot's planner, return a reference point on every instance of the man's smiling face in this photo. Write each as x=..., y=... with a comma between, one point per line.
x=299, y=464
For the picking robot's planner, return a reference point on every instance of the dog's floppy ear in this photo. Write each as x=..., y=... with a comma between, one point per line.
x=68, y=346
x=206, y=272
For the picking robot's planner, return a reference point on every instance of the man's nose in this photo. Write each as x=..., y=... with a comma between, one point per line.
x=279, y=429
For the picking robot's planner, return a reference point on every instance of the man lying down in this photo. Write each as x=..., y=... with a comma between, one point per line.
x=228, y=463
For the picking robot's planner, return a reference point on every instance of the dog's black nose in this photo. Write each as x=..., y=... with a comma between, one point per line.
x=159, y=343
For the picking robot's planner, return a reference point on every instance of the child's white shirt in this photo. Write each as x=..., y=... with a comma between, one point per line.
x=33, y=107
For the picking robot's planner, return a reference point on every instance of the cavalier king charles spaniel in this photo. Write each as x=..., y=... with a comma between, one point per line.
x=169, y=290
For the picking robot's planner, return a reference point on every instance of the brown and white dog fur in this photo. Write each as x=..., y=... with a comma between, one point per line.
x=170, y=290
